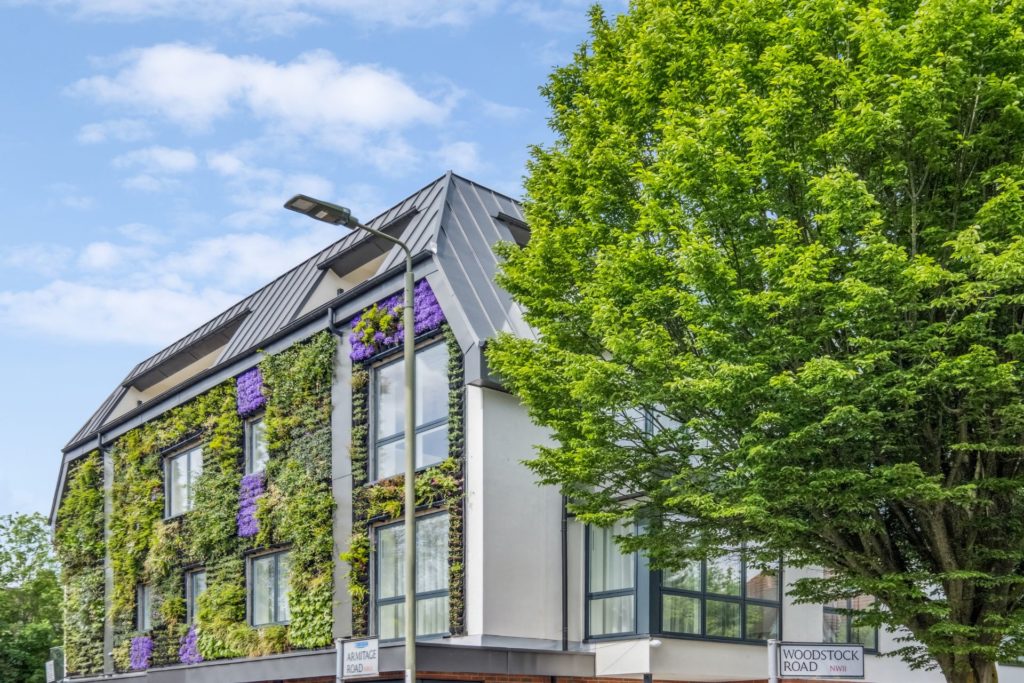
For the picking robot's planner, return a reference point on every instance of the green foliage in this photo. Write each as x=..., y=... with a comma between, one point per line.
x=440, y=486
x=145, y=548
x=792, y=233
x=78, y=541
x=30, y=598
x=376, y=319
x=298, y=508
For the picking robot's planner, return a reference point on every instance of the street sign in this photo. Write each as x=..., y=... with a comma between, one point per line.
x=820, y=660
x=359, y=658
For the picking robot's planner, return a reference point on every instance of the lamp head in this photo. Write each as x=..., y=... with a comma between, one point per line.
x=322, y=211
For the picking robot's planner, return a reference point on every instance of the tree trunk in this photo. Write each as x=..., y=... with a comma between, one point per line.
x=970, y=669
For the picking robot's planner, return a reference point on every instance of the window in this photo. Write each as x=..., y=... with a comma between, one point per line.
x=180, y=478
x=431, y=411
x=268, y=587
x=837, y=625
x=611, y=584
x=256, y=452
x=431, y=578
x=144, y=607
x=195, y=585
x=721, y=598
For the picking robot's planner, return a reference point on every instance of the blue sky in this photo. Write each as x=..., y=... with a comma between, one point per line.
x=146, y=147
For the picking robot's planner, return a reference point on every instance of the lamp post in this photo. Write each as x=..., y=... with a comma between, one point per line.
x=339, y=215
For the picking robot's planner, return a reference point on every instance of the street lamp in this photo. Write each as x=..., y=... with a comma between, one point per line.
x=339, y=215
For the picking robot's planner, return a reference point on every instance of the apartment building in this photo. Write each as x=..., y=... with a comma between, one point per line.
x=234, y=507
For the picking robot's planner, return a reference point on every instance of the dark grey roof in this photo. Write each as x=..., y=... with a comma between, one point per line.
x=455, y=218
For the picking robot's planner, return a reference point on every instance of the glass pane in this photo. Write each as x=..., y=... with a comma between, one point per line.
x=762, y=585
x=390, y=620
x=197, y=586
x=687, y=578
x=865, y=635
x=611, y=615
x=177, y=485
x=723, y=619
x=833, y=628
x=262, y=590
x=258, y=452
x=431, y=446
x=431, y=555
x=432, y=616
x=762, y=622
x=609, y=568
x=195, y=466
x=724, y=575
x=390, y=559
x=431, y=384
x=680, y=614
x=145, y=608
x=390, y=459
x=861, y=602
x=389, y=413
x=283, y=578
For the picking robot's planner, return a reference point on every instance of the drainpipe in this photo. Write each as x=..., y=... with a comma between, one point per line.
x=330, y=323
x=565, y=575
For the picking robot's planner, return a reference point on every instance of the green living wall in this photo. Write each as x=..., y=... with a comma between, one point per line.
x=437, y=487
x=78, y=537
x=294, y=511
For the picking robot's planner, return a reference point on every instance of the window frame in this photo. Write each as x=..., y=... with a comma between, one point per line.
x=639, y=568
x=184, y=452
x=249, y=444
x=276, y=554
x=704, y=596
x=400, y=599
x=847, y=617
x=191, y=598
x=143, y=608
x=393, y=357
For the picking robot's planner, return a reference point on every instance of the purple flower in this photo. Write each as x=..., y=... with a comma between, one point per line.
x=251, y=489
x=188, y=653
x=142, y=650
x=427, y=316
x=249, y=390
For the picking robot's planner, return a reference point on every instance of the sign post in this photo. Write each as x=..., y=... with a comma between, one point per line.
x=814, y=660
x=359, y=658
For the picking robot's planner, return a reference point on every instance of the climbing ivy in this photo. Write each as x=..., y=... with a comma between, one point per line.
x=295, y=512
x=78, y=538
x=440, y=486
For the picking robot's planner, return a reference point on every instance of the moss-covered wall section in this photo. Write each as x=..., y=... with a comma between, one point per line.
x=438, y=487
x=78, y=537
x=295, y=513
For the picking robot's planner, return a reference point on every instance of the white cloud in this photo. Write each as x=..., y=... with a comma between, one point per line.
x=70, y=196
x=195, y=86
x=159, y=160
x=279, y=16
x=121, y=130
x=42, y=259
x=152, y=315
x=461, y=157
x=142, y=233
x=502, y=112
x=104, y=256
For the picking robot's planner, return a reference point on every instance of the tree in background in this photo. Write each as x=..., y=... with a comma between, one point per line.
x=30, y=598
x=792, y=234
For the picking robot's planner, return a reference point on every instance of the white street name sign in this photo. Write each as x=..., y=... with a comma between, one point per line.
x=359, y=658
x=819, y=660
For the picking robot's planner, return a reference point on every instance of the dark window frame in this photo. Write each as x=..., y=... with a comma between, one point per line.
x=276, y=554
x=191, y=604
x=393, y=357
x=704, y=596
x=639, y=567
x=183, y=452
x=400, y=599
x=249, y=444
x=143, y=607
x=846, y=613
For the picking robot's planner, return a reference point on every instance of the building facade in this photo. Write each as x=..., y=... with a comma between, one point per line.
x=233, y=509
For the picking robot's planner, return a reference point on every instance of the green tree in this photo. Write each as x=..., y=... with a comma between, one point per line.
x=30, y=598
x=793, y=233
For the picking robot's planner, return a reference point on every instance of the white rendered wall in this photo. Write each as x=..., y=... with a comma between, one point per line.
x=513, y=526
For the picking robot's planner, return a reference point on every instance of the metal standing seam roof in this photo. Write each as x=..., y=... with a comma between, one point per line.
x=453, y=215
